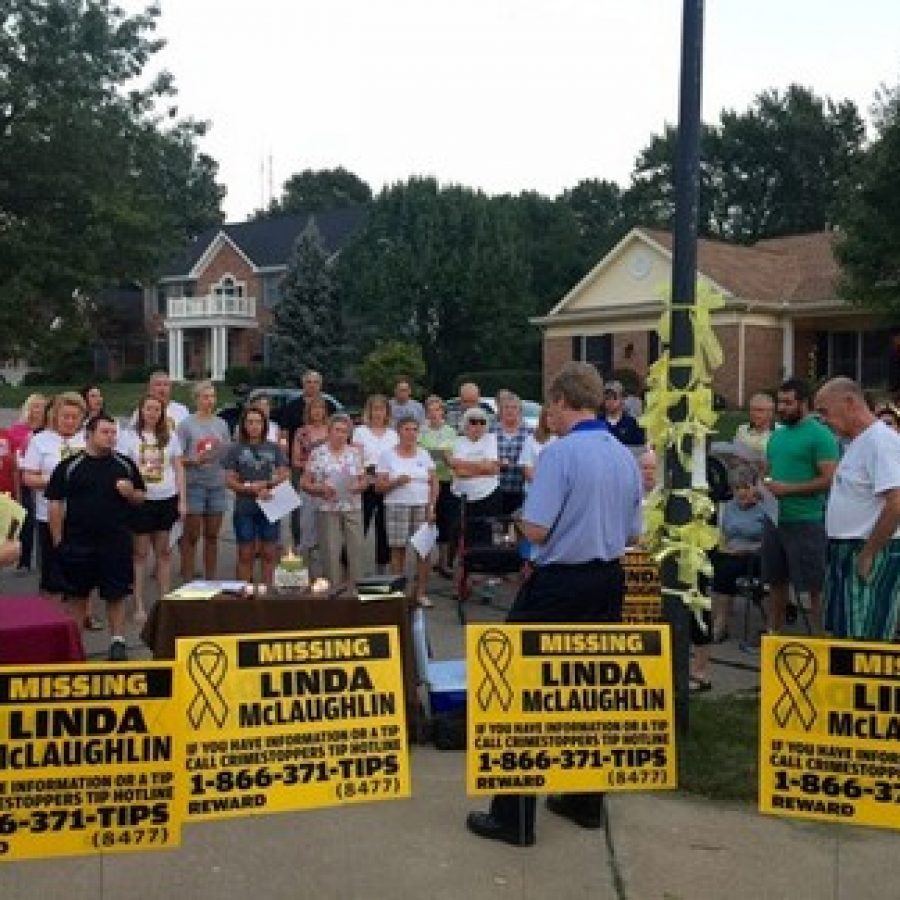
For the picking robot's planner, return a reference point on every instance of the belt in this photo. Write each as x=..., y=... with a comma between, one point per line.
x=574, y=567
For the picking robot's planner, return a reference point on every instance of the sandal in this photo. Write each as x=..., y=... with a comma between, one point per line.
x=699, y=685
x=93, y=623
x=443, y=572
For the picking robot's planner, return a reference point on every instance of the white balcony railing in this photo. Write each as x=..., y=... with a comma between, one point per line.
x=211, y=305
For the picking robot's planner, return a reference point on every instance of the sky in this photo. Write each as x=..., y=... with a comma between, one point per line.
x=502, y=95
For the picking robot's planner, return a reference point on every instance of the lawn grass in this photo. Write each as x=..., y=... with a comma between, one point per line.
x=719, y=754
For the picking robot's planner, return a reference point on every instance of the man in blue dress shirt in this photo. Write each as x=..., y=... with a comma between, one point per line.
x=583, y=509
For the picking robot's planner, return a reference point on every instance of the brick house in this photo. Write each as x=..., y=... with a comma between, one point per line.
x=782, y=314
x=211, y=308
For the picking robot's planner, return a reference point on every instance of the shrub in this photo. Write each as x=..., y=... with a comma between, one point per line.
x=387, y=363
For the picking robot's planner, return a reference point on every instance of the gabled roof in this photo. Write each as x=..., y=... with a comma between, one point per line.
x=268, y=242
x=794, y=270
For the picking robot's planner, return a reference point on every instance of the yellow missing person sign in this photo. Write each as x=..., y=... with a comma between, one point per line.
x=558, y=708
x=830, y=731
x=281, y=722
x=88, y=759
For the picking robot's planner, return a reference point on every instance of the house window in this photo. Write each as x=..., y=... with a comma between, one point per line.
x=653, y=344
x=161, y=301
x=267, y=349
x=844, y=356
x=159, y=351
x=596, y=349
x=228, y=287
x=271, y=290
x=876, y=358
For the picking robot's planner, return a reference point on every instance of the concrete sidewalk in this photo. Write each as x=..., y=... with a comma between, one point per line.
x=664, y=846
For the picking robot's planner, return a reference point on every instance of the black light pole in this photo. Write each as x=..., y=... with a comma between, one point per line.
x=684, y=277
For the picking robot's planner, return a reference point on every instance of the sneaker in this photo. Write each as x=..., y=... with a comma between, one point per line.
x=425, y=602
x=118, y=652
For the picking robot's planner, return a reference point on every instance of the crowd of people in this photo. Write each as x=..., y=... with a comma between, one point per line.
x=814, y=499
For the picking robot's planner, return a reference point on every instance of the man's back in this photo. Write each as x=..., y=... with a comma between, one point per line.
x=587, y=491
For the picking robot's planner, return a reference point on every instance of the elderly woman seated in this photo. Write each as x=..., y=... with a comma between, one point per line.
x=740, y=527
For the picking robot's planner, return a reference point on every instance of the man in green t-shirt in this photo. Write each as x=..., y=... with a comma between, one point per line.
x=801, y=458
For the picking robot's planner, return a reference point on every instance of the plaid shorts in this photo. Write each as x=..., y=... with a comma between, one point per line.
x=863, y=610
x=402, y=522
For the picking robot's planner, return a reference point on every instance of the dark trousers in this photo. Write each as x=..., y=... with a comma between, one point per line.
x=26, y=533
x=373, y=509
x=587, y=592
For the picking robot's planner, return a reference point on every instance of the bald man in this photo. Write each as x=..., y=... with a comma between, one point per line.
x=862, y=584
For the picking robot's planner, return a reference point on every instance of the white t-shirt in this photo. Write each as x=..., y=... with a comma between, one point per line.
x=481, y=450
x=155, y=462
x=869, y=467
x=373, y=445
x=45, y=451
x=531, y=450
x=418, y=467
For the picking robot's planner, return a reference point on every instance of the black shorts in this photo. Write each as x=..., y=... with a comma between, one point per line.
x=794, y=553
x=479, y=528
x=154, y=515
x=729, y=567
x=108, y=568
x=52, y=581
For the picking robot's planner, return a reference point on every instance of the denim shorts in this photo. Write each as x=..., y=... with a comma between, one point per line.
x=254, y=526
x=206, y=501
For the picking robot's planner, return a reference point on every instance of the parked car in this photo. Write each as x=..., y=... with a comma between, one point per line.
x=279, y=397
x=530, y=411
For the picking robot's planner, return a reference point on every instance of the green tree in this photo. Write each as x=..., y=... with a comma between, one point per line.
x=550, y=241
x=443, y=268
x=869, y=253
x=315, y=190
x=100, y=181
x=306, y=323
x=388, y=363
x=787, y=165
x=599, y=211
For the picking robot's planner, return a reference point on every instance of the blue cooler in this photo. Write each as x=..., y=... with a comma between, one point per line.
x=447, y=686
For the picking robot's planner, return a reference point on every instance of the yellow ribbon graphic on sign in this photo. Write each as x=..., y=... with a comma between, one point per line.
x=494, y=655
x=207, y=666
x=795, y=666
